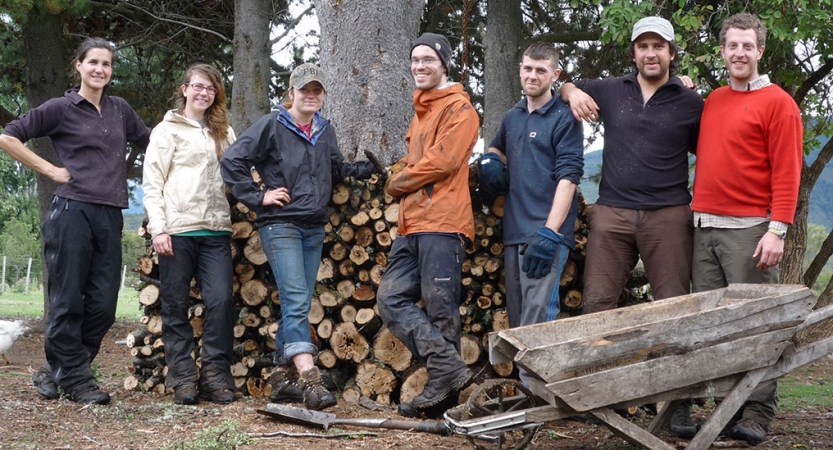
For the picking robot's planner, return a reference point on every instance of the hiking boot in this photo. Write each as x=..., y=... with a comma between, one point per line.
x=316, y=396
x=681, y=423
x=748, y=430
x=89, y=394
x=220, y=396
x=438, y=389
x=186, y=395
x=285, y=388
x=42, y=379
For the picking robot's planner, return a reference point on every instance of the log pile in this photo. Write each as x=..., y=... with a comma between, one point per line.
x=358, y=355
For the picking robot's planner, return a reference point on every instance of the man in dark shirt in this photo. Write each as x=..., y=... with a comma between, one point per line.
x=543, y=148
x=651, y=122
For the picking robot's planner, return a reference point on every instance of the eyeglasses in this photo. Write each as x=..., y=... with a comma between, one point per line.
x=197, y=87
x=425, y=61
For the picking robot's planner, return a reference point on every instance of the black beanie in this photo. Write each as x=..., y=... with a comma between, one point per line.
x=438, y=43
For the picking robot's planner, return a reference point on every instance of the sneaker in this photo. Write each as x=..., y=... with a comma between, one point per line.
x=220, y=396
x=748, y=430
x=681, y=423
x=316, y=396
x=438, y=389
x=89, y=394
x=186, y=395
x=42, y=379
x=285, y=388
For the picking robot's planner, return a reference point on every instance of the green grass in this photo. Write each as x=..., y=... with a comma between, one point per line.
x=31, y=305
x=794, y=394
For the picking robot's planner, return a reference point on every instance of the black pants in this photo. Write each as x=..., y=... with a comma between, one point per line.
x=208, y=259
x=428, y=267
x=82, y=247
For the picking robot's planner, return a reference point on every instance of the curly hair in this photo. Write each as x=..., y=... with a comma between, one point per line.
x=216, y=116
x=744, y=21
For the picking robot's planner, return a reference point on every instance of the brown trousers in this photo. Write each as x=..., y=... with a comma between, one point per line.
x=619, y=237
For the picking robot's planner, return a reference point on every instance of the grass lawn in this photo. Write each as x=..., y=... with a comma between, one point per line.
x=20, y=304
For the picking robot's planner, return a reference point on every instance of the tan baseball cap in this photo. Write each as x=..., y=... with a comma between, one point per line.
x=305, y=74
x=653, y=24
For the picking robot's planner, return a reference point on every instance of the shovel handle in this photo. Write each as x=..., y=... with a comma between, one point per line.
x=435, y=427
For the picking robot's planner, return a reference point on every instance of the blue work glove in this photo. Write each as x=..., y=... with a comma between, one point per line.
x=492, y=177
x=539, y=252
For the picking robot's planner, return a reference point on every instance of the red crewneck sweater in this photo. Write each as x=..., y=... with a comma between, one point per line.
x=749, y=154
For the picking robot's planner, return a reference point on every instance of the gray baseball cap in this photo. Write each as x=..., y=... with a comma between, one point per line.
x=653, y=24
x=305, y=74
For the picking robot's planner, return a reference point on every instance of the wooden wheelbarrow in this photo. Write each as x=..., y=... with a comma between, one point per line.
x=721, y=343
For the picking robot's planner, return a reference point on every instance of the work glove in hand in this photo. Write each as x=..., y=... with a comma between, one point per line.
x=492, y=179
x=539, y=252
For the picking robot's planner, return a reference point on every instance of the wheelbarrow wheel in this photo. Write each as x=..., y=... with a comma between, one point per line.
x=497, y=397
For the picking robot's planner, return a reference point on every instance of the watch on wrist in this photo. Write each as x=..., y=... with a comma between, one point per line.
x=779, y=233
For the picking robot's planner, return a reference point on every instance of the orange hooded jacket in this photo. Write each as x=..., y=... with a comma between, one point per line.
x=434, y=185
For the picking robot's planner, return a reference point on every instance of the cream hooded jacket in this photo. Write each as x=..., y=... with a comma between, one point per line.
x=183, y=189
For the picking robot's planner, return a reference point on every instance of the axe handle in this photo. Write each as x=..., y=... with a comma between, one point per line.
x=435, y=427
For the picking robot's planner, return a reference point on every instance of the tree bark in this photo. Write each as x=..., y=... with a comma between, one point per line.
x=252, y=56
x=365, y=46
x=501, y=78
x=46, y=77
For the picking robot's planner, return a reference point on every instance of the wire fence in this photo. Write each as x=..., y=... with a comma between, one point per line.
x=24, y=275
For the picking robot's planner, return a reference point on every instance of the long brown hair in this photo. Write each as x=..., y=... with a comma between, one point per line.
x=216, y=116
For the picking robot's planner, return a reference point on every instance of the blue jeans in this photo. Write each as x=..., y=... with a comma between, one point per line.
x=294, y=254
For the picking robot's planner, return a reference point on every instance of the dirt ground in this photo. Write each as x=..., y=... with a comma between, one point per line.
x=136, y=420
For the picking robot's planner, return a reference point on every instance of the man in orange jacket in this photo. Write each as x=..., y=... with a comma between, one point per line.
x=436, y=223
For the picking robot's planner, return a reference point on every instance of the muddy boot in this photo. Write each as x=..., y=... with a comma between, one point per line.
x=748, y=430
x=285, y=387
x=42, y=379
x=88, y=394
x=439, y=389
x=186, y=395
x=681, y=423
x=316, y=396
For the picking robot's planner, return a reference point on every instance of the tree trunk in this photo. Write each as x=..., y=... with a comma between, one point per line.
x=46, y=77
x=365, y=46
x=501, y=78
x=252, y=56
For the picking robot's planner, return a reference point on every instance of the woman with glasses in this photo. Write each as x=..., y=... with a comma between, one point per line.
x=82, y=231
x=190, y=222
x=295, y=152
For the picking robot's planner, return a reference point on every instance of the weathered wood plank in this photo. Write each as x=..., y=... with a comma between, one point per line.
x=599, y=324
x=630, y=344
x=727, y=408
x=629, y=431
x=671, y=372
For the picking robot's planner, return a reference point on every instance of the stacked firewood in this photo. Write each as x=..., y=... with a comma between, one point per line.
x=358, y=355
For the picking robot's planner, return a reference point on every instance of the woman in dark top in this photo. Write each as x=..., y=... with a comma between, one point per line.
x=82, y=231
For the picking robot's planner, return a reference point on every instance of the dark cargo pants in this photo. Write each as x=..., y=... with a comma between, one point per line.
x=82, y=250
x=208, y=260
x=425, y=266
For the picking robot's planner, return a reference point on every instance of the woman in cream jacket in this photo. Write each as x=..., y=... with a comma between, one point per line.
x=190, y=222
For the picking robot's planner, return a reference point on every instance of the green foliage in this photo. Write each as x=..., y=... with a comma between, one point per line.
x=227, y=435
x=18, y=242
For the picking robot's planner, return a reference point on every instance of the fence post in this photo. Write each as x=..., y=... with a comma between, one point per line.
x=3, y=279
x=123, y=274
x=28, y=273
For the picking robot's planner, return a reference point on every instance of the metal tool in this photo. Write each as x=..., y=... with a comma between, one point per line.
x=326, y=420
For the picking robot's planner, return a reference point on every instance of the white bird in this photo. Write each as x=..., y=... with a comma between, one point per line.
x=9, y=331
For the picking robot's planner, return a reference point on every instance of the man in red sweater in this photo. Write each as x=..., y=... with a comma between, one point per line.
x=746, y=183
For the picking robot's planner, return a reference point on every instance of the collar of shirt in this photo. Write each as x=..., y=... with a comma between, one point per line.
x=759, y=83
